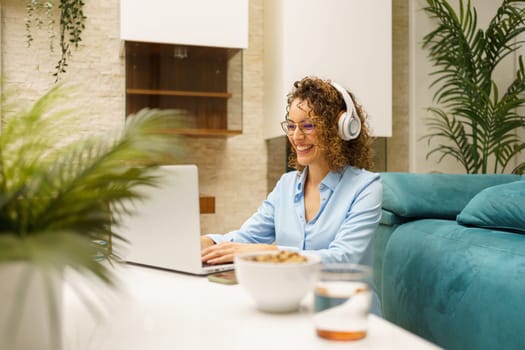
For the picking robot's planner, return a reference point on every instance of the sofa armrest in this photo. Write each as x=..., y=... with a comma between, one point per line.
x=390, y=219
x=442, y=196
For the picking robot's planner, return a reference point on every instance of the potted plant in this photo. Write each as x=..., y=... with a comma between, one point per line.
x=55, y=197
x=478, y=120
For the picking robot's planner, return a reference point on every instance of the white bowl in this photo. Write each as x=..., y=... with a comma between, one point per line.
x=276, y=287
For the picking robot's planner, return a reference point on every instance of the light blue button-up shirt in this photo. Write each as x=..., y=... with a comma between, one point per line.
x=341, y=231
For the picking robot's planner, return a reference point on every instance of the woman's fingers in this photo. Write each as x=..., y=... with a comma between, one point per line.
x=218, y=253
x=226, y=251
x=221, y=259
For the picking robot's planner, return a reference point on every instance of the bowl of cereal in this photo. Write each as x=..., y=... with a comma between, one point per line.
x=277, y=281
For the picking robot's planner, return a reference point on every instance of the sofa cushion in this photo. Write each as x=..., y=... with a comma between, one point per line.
x=459, y=287
x=498, y=207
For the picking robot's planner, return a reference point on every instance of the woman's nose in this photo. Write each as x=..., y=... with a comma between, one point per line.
x=298, y=133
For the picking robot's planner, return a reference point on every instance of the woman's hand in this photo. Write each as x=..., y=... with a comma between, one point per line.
x=225, y=251
x=206, y=242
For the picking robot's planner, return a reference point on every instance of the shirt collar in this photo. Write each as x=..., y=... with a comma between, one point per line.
x=331, y=180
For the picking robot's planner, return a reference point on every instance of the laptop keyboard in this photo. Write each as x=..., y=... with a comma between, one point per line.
x=205, y=264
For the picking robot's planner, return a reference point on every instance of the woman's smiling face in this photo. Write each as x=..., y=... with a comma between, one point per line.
x=306, y=145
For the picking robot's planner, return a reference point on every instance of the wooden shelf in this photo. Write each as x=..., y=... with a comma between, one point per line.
x=205, y=83
x=179, y=93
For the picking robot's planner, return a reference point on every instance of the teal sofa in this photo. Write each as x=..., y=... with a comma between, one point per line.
x=450, y=258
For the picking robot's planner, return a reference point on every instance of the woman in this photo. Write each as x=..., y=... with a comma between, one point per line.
x=331, y=205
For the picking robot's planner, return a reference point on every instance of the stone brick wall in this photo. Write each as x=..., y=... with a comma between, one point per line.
x=231, y=169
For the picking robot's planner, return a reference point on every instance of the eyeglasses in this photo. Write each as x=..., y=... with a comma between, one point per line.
x=289, y=127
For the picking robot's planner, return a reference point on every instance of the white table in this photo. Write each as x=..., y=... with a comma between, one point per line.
x=154, y=309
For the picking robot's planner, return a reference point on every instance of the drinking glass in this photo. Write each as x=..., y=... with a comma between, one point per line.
x=342, y=299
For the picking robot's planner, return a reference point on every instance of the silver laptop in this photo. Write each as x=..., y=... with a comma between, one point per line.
x=164, y=231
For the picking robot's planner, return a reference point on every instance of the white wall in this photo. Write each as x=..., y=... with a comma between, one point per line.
x=348, y=41
x=198, y=22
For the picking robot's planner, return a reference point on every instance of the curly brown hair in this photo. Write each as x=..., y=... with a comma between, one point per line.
x=326, y=104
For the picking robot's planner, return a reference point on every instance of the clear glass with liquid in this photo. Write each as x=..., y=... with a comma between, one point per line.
x=342, y=299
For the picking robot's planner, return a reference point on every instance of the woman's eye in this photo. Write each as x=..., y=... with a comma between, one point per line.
x=308, y=126
x=291, y=127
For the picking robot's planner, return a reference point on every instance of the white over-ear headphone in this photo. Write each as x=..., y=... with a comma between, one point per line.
x=349, y=124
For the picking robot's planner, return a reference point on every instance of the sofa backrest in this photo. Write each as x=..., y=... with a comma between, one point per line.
x=441, y=196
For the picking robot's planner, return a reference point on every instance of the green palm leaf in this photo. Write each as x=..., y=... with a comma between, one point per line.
x=55, y=195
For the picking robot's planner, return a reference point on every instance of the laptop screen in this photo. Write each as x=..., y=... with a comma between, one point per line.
x=164, y=230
